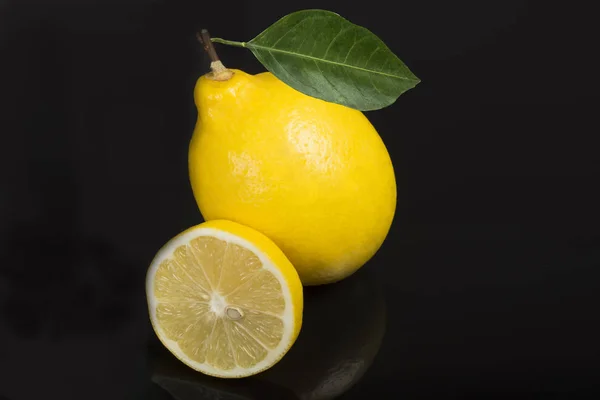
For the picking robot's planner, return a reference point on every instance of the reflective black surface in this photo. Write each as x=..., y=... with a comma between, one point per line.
x=486, y=286
x=342, y=333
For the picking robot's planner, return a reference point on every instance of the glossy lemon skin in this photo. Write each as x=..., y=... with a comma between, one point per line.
x=313, y=176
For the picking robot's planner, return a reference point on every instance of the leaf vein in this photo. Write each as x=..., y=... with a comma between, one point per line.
x=371, y=56
x=333, y=40
x=375, y=86
x=331, y=84
x=353, y=46
x=288, y=31
x=291, y=53
x=284, y=69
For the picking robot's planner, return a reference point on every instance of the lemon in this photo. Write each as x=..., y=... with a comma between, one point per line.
x=313, y=176
x=224, y=299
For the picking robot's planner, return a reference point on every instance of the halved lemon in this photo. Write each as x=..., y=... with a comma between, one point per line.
x=224, y=299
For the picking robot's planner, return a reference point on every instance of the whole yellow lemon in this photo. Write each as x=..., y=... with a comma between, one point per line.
x=313, y=176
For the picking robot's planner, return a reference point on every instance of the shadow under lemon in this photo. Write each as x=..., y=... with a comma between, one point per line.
x=342, y=331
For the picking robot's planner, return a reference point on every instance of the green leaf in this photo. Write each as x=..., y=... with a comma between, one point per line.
x=323, y=55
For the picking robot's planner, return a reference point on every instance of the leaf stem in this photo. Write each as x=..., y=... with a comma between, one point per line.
x=228, y=42
x=219, y=72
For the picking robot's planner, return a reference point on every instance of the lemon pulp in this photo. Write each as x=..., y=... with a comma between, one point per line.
x=224, y=299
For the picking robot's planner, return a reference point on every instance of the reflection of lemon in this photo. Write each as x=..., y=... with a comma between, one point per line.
x=184, y=383
x=224, y=299
x=342, y=332
x=313, y=176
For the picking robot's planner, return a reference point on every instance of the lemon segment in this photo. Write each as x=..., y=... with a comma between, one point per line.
x=224, y=299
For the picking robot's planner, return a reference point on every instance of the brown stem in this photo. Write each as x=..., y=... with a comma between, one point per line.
x=204, y=38
x=219, y=72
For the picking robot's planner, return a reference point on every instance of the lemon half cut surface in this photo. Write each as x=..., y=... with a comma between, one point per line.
x=224, y=299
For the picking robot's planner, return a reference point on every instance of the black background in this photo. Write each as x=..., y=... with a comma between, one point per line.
x=489, y=271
